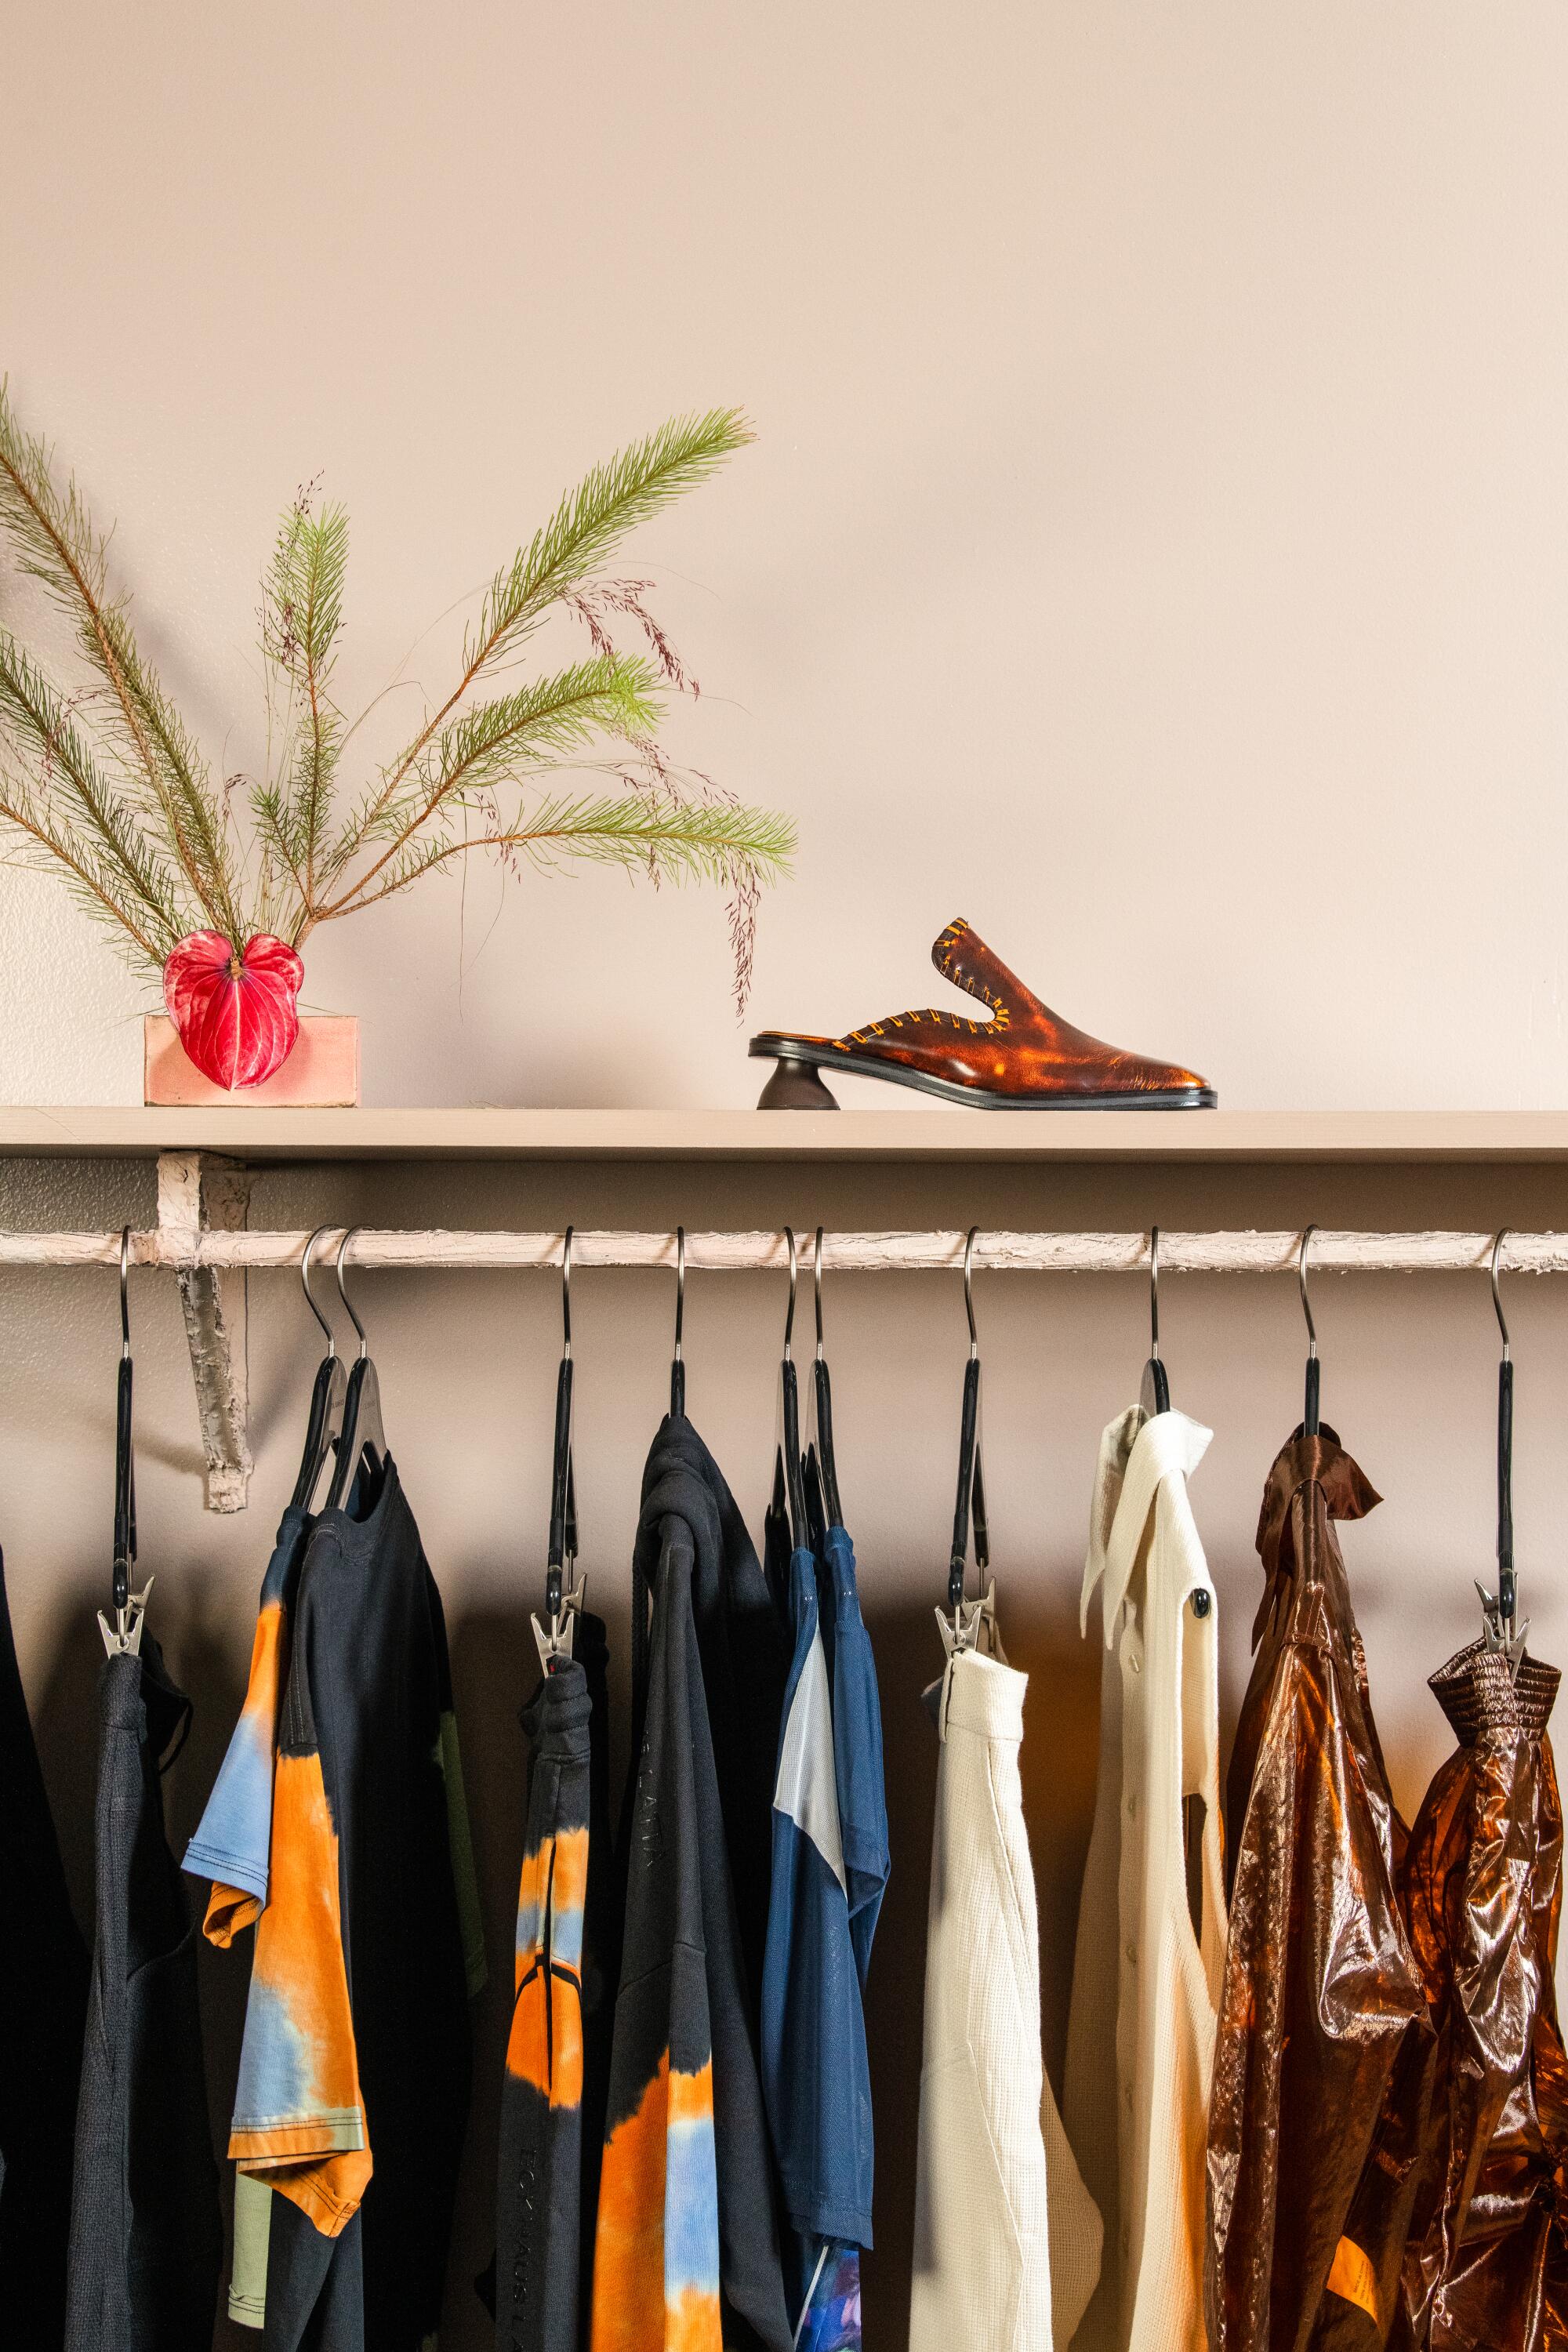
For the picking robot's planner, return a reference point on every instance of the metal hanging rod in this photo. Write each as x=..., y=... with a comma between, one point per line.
x=190, y=1247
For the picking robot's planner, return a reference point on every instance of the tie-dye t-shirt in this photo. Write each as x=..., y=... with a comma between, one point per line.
x=352, y=2094
x=233, y=1843
x=687, y=2252
x=298, y=2114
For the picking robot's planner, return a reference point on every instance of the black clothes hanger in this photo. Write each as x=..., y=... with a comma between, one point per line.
x=325, y=1421
x=822, y=1387
x=962, y=1619
x=817, y=1519
x=678, y=1364
x=561, y=1601
x=364, y=1437
x=794, y=1479
x=1503, y=1631
x=1156, y=1395
x=1309, y=1421
x=123, y=1637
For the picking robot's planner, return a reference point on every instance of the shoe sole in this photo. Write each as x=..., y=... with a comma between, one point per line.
x=982, y=1097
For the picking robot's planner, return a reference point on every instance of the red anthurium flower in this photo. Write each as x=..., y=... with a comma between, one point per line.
x=237, y=1015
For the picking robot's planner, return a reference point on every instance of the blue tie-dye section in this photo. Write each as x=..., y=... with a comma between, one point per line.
x=277, y=2087
x=233, y=1842
x=530, y=1926
x=691, y=2210
x=567, y=1936
x=276, y=2066
x=831, y=2320
x=234, y=1839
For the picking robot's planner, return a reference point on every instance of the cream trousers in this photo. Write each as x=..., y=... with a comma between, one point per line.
x=1007, y=2239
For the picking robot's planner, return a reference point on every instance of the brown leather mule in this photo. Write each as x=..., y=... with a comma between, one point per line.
x=1023, y=1058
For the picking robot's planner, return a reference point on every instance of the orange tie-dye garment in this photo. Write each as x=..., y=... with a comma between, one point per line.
x=298, y=2114
x=686, y=2252
x=268, y=1843
x=233, y=1843
x=539, y=2218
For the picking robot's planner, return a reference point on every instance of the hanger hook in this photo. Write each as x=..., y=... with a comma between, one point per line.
x=1497, y=1294
x=970, y=1239
x=793, y=1279
x=679, y=1288
x=1154, y=1294
x=1302, y=1280
x=125, y=1291
x=817, y=1285
x=349, y=1233
x=566, y=1293
x=305, y=1256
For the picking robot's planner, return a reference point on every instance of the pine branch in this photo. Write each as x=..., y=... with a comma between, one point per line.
x=33, y=717
x=699, y=842
x=609, y=501
x=303, y=615
x=496, y=744
x=50, y=843
x=58, y=546
x=590, y=521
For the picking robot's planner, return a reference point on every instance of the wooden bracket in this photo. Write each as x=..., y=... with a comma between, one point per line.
x=199, y=1193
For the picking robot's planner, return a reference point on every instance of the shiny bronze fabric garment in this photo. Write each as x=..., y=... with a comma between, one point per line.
x=1320, y=1985
x=1487, y=2259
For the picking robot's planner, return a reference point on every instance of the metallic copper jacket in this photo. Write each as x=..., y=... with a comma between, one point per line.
x=1320, y=1985
x=1487, y=2264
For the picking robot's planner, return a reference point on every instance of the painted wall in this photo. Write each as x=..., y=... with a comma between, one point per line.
x=1155, y=549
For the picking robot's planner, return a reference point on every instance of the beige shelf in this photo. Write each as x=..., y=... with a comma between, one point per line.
x=893, y=1135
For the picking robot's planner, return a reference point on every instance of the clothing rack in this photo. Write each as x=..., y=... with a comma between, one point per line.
x=183, y=1248
x=202, y=1237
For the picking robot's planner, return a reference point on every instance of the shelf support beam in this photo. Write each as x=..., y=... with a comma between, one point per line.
x=201, y=1193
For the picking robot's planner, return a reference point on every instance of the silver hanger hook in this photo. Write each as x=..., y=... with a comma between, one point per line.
x=793, y=1279
x=566, y=1293
x=970, y=1241
x=1306, y=1302
x=305, y=1257
x=1497, y=1294
x=349, y=1234
x=817, y=1285
x=125, y=1290
x=1154, y=1294
x=679, y=1288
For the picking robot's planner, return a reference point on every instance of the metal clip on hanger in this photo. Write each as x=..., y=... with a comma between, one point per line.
x=324, y=1424
x=960, y=1622
x=678, y=1363
x=1310, y=1422
x=123, y=1637
x=562, y=1587
x=822, y=1387
x=1155, y=1396
x=789, y=1387
x=1504, y=1634
x=363, y=1438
